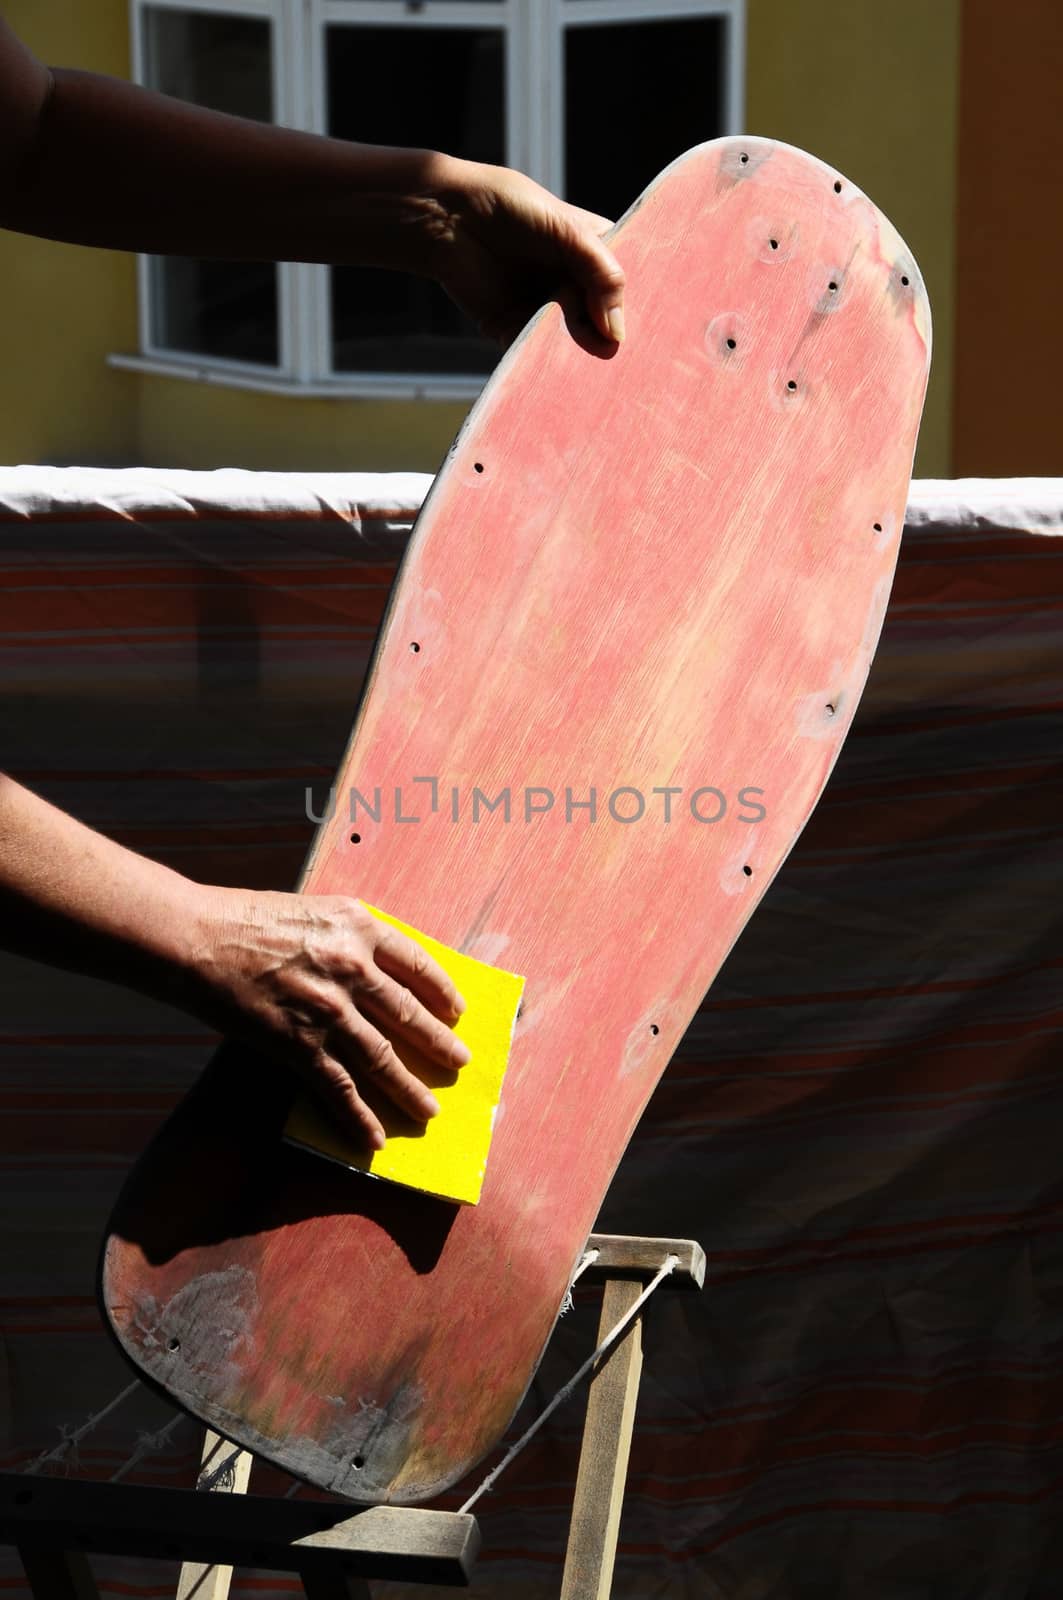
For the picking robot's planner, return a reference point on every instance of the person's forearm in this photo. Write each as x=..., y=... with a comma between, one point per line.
x=95, y=160
x=72, y=898
x=118, y=166
x=316, y=983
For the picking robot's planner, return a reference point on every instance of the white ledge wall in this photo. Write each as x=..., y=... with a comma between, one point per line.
x=388, y=502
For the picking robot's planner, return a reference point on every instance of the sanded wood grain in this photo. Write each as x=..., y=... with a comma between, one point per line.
x=660, y=578
x=599, y=1495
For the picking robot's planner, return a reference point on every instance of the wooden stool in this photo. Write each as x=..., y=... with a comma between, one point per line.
x=57, y=1523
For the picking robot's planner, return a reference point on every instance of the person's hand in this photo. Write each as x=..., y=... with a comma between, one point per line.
x=320, y=985
x=502, y=246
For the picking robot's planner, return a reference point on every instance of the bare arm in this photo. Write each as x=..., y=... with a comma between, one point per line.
x=311, y=981
x=97, y=161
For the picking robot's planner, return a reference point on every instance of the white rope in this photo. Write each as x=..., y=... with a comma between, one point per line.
x=588, y=1258
x=150, y=1445
x=71, y=1440
x=147, y=1445
x=671, y=1262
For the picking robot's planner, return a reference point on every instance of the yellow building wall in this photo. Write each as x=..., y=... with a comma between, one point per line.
x=65, y=309
x=183, y=424
x=869, y=86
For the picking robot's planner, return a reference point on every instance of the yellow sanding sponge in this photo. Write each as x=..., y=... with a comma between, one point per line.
x=448, y=1155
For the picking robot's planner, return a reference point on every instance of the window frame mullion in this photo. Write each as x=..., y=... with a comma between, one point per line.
x=536, y=53
x=303, y=275
x=318, y=277
x=286, y=110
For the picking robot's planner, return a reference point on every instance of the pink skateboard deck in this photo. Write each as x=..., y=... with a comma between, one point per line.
x=628, y=639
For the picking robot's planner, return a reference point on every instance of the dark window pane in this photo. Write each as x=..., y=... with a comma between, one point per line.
x=214, y=60
x=637, y=94
x=386, y=86
x=226, y=309
x=223, y=309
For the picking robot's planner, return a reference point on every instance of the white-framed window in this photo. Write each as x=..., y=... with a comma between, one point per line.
x=590, y=97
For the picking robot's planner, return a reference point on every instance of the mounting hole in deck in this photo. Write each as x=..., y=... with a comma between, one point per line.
x=477, y=466
x=654, y=1029
x=743, y=158
x=748, y=871
x=905, y=279
x=833, y=287
x=877, y=527
x=356, y=838
x=732, y=344
x=173, y=1345
x=791, y=386
x=358, y=1463
x=830, y=709
x=414, y=646
x=837, y=186
x=774, y=243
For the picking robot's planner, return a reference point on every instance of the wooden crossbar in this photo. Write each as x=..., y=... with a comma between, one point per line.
x=308, y=1537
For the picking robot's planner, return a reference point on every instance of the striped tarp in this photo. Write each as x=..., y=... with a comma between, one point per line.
x=863, y=1126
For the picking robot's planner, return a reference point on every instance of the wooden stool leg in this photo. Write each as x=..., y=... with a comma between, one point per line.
x=196, y=1581
x=604, y=1456
x=59, y=1575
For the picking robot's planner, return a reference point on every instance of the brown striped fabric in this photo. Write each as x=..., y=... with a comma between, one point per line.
x=863, y=1126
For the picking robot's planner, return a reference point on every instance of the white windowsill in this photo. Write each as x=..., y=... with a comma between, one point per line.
x=354, y=386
